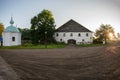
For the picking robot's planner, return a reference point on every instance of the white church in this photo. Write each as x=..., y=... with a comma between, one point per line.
x=11, y=35
x=73, y=33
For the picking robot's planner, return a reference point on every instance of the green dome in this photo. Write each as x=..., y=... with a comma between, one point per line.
x=11, y=28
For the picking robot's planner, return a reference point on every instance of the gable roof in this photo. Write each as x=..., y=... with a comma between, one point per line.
x=72, y=26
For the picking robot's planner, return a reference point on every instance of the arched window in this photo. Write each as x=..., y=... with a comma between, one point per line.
x=13, y=38
x=79, y=34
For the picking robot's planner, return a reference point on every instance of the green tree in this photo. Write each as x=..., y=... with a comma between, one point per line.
x=105, y=32
x=42, y=27
x=1, y=28
x=26, y=34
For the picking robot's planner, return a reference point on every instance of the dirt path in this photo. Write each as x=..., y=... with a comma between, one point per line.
x=89, y=63
x=6, y=72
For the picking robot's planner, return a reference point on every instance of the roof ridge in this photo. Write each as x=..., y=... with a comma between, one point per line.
x=68, y=28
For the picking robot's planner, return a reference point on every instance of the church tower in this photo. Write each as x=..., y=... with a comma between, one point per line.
x=11, y=35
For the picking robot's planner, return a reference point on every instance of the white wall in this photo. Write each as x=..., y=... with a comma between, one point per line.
x=7, y=39
x=87, y=39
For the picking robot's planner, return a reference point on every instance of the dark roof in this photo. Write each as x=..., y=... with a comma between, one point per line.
x=72, y=26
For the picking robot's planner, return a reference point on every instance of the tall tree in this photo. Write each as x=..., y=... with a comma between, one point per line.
x=1, y=28
x=42, y=27
x=105, y=32
x=25, y=34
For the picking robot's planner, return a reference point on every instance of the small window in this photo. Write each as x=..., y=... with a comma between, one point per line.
x=60, y=40
x=86, y=34
x=79, y=34
x=83, y=40
x=13, y=38
x=57, y=34
x=71, y=34
x=64, y=34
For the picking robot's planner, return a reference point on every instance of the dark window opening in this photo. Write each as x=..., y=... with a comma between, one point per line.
x=79, y=34
x=83, y=40
x=57, y=34
x=60, y=40
x=86, y=34
x=13, y=38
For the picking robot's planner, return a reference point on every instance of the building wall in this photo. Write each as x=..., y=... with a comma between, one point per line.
x=8, y=41
x=80, y=39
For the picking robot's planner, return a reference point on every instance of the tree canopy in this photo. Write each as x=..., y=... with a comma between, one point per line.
x=26, y=34
x=105, y=32
x=1, y=28
x=42, y=27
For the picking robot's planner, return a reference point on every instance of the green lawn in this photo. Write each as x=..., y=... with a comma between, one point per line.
x=49, y=46
x=31, y=46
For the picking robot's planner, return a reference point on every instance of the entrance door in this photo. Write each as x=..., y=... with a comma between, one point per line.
x=71, y=41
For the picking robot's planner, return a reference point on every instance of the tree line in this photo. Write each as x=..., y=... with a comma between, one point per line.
x=43, y=27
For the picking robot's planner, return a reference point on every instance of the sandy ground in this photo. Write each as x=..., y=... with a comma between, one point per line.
x=70, y=63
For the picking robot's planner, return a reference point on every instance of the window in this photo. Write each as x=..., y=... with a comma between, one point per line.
x=71, y=34
x=86, y=34
x=57, y=34
x=79, y=34
x=64, y=34
x=83, y=40
x=13, y=38
x=60, y=40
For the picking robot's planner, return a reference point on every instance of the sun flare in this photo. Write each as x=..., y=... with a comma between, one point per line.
x=110, y=36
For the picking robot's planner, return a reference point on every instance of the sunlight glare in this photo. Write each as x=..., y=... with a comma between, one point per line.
x=110, y=36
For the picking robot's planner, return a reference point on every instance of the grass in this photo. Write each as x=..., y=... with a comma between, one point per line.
x=49, y=46
x=31, y=46
x=89, y=45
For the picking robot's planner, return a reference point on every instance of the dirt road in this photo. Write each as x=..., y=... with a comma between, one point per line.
x=70, y=63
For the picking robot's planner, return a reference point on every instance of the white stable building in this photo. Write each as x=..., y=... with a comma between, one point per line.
x=11, y=35
x=73, y=33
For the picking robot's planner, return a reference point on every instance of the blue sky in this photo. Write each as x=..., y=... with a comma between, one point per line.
x=89, y=13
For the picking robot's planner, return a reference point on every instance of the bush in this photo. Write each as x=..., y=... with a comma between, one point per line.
x=96, y=41
x=61, y=43
x=27, y=45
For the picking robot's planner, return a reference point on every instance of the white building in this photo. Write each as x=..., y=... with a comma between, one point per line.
x=11, y=35
x=73, y=33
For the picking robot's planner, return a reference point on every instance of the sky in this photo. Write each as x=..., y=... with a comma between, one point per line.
x=89, y=13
